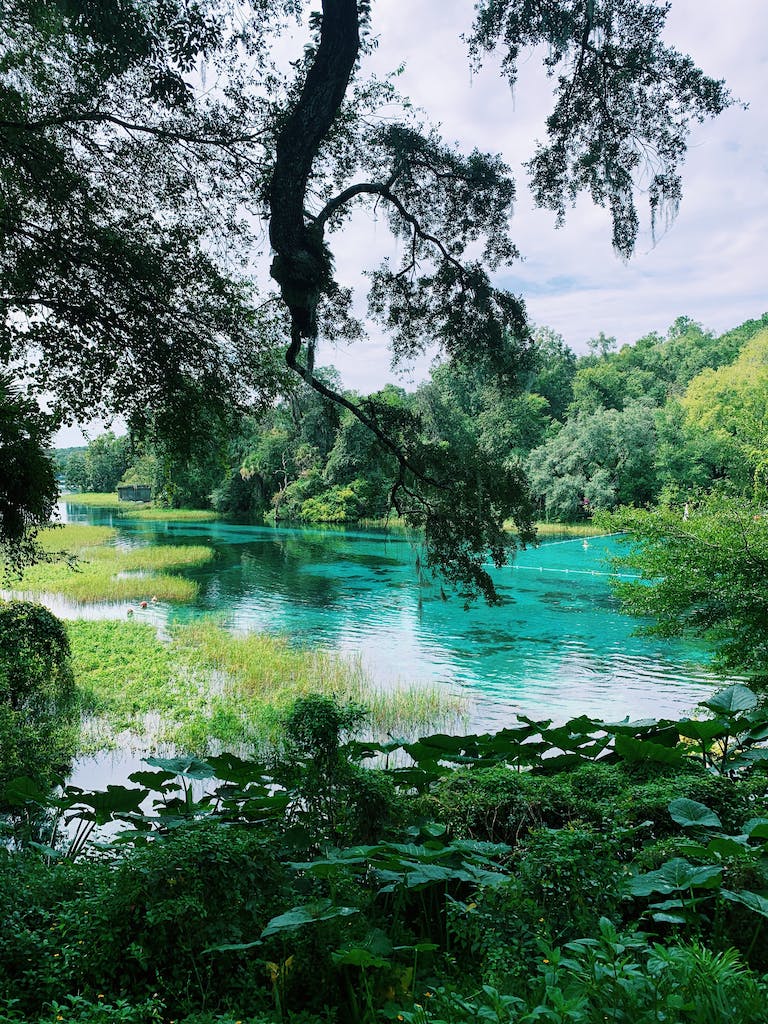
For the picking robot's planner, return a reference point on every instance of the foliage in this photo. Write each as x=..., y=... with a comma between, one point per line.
x=38, y=713
x=595, y=462
x=224, y=890
x=702, y=574
x=140, y=200
x=28, y=488
x=208, y=688
x=100, y=466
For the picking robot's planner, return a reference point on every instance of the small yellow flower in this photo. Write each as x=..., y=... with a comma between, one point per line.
x=100, y=995
x=55, y=955
x=545, y=960
x=59, y=1017
x=400, y=1016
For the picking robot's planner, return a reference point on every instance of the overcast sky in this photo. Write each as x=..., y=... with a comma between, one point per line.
x=708, y=265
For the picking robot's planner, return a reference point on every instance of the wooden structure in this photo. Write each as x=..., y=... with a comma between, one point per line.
x=134, y=492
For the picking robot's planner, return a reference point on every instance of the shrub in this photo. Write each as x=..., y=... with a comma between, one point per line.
x=38, y=707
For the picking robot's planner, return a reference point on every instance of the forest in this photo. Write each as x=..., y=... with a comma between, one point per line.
x=643, y=424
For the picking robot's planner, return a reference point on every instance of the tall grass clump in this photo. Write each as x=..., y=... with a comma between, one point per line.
x=102, y=571
x=268, y=673
x=209, y=690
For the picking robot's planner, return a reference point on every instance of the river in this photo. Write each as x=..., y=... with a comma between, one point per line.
x=557, y=645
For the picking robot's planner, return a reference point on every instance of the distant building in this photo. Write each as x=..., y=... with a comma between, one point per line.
x=134, y=492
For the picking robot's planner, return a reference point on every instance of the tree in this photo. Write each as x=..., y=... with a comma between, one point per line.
x=596, y=461
x=28, y=488
x=111, y=265
x=730, y=407
x=704, y=574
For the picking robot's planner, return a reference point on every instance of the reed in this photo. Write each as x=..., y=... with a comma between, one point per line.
x=568, y=530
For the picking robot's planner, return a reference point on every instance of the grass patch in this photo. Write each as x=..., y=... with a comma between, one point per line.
x=208, y=689
x=568, y=530
x=105, y=572
x=140, y=509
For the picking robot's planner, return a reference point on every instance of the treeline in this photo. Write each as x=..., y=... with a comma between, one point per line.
x=629, y=425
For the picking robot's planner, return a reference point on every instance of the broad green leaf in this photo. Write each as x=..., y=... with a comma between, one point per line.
x=756, y=828
x=705, y=729
x=727, y=846
x=233, y=947
x=359, y=956
x=756, y=903
x=690, y=812
x=156, y=782
x=677, y=874
x=636, y=751
x=191, y=767
x=105, y=803
x=23, y=790
x=310, y=913
x=732, y=700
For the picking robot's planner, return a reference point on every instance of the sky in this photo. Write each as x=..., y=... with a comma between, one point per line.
x=708, y=265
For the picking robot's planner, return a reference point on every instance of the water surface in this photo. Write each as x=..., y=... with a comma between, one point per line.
x=557, y=646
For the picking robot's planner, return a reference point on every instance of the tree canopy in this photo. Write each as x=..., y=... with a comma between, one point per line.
x=147, y=151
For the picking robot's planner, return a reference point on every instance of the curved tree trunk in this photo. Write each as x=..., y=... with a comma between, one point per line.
x=302, y=264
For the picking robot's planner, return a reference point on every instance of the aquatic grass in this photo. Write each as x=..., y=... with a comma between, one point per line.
x=568, y=530
x=98, y=500
x=208, y=690
x=270, y=673
x=74, y=537
x=104, y=571
x=139, y=509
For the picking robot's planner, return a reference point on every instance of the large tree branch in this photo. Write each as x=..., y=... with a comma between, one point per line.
x=292, y=360
x=384, y=191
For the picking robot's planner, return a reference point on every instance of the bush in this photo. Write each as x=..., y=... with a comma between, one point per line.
x=38, y=706
x=500, y=805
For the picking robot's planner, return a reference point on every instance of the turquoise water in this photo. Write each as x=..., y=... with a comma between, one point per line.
x=556, y=646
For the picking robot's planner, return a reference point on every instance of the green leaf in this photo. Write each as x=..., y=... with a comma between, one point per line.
x=677, y=874
x=732, y=700
x=105, y=803
x=690, y=812
x=156, y=782
x=756, y=828
x=756, y=903
x=233, y=947
x=191, y=767
x=23, y=790
x=705, y=729
x=358, y=956
x=636, y=751
x=310, y=913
